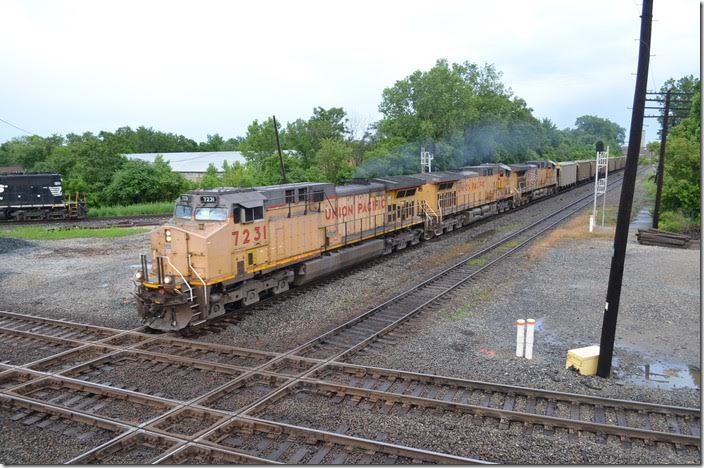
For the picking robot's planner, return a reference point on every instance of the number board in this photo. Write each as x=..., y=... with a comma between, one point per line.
x=185, y=198
x=208, y=199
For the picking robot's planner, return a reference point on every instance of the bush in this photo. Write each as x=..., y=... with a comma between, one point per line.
x=676, y=221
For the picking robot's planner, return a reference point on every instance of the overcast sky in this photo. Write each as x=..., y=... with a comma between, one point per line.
x=198, y=68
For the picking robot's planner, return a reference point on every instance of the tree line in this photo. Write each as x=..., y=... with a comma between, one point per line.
x=463, y=113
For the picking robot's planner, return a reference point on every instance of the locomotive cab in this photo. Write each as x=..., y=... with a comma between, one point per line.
x=214, y=239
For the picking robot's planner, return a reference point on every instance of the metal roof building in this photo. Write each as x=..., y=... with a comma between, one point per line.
x=193, y=165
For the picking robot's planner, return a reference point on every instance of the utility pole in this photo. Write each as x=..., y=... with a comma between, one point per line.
x=613, y=294
x=661, y=162
x=681, y=102
x=278, y=147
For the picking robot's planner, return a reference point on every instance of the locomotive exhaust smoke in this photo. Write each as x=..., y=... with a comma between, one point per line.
x=488, y=140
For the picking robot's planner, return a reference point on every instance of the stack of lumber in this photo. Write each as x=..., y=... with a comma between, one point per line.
x=652, y=236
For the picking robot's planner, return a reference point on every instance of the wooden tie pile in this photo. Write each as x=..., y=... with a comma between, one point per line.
x=652, y=236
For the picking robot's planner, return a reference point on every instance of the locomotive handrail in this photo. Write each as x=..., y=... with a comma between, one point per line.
x=205, y=296
x=190, y=290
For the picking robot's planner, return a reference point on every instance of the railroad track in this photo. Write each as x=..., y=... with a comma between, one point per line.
x=107, y=221
x=222, y=421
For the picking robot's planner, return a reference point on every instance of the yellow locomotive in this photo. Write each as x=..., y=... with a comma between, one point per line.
x=228, y=247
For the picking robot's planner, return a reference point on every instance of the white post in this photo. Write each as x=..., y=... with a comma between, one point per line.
x=530, y=327
x=606, y=182
x=520, y=336
x=591, y=223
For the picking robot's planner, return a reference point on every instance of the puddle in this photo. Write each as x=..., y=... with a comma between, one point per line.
x=667, y=375
x=643, y=220
x=538, y=324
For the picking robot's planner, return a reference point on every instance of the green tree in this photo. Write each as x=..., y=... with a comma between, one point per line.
x=590, y=128
x=136, y=182
x=211, y=179
x=688, y=84
x=238, y=175
x=305, y=137
x=681, y=182
x=332, y=159
x=260, y=140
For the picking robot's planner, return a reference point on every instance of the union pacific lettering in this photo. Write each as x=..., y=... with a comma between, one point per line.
x=350, y=209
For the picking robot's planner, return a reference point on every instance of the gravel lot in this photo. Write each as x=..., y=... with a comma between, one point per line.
x=84, y=280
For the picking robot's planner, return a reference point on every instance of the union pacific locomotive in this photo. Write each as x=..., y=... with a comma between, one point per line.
x=37, y=196
x=228, y=247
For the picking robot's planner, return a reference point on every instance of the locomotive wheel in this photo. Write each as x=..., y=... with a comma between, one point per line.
x=250, y=297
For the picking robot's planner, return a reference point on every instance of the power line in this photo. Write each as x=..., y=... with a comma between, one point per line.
x=18, y=128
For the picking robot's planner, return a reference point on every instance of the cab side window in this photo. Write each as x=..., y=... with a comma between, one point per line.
x=253, y=214
x=247, y=215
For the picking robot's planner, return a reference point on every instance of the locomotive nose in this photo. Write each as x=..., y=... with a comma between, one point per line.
x=172, y=242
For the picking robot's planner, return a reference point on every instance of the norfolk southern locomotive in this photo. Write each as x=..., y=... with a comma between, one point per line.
x=228, y=247
x=25, y=197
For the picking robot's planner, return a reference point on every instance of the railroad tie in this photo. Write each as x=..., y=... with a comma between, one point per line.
x=530, y=408
x=297, y=456
x=34, y=417
x=280, y=450
x=574, y=414
x=386, y=384
x=600, y=418
x=318, y=457
x=450, y=393
x=509, y=401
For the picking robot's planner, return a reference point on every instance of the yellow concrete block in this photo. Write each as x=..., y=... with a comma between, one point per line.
x=583, y=359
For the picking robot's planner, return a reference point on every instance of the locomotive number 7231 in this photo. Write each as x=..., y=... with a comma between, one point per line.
x=247, y=236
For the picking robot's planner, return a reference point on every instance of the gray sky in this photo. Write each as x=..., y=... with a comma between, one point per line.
x=213, y=66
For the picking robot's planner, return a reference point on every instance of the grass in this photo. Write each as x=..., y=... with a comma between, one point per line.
x=461, y=312
x=466, y=309
x=478, y=262
x=131, y=210
x=40, y=233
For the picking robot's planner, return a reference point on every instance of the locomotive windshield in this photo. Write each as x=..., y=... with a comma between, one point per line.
x=183, y=211
x=211, y=214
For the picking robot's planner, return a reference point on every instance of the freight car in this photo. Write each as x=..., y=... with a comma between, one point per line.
x=566, y=174
x=36, y=197
x=226, y=248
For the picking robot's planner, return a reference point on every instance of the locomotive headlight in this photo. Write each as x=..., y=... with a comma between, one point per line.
x=168, y=279
x=167, y=235
x=138, y=275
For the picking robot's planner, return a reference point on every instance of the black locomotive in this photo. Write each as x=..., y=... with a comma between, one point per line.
x=25, y=197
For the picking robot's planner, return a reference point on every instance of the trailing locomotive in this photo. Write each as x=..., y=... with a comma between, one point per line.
x=229, y=247
x=37, y=196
